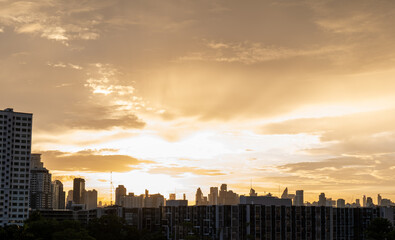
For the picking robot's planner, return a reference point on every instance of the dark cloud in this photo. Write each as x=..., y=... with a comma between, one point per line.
x=89, y=161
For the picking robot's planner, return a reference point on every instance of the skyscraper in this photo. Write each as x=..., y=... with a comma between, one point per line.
x=58, y=195
x=15, y=147
x=120, y=191
x=91, y=199
x=299, y=198
x=199, y=197
x=379, y=200
x=213, y=196
x=40, y=184
x=78, y=190
x=322, y=200
x=369, y=202
x=341, y=203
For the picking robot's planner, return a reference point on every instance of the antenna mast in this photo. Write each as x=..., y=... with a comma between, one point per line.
x=111, y=187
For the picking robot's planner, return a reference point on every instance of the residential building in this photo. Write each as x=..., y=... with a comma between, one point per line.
x=322, y=200
x=15, y=150
x=90, y=199
x=213, y=196
x=40, y=184
x=299, y=198
x=227, y=197
x=120, y=191
x=153, y=200
x=341, y=203
x=58, y=195
x=132, y=201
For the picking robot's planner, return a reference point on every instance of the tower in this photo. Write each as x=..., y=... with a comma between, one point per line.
x=40, y=184
x=299, y=198
x=120, y=191
x=58, y=195
x=15, y=150
x=78, y=190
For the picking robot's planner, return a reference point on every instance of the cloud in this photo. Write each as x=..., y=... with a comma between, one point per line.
x=347, y=172
x=64, y=178
x=255, y=52
x=179, y=171
x=360, y=133
x=89, y=161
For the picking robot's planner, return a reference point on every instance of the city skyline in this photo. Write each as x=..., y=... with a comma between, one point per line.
x=173, y=96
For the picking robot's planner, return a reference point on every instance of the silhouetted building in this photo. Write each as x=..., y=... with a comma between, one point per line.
x=69, y=196
x=78, y=191
x=176, y=203
x=385, y=202
x=199, y=200
x=364, y=201
x=40, y=184
x=299, y=198
x=341, y=203
x=15, y=147
x=267, y=222
x=120, y=191
x=213, y=196
x=153, y=200
x=132, y=201
x=379, y=200
x=172, y=196
x=58, y=195
x=90, y=199
x=265, y=200
x=253, y=193
x=227, y=197
x=369, y=202
x=322, y=200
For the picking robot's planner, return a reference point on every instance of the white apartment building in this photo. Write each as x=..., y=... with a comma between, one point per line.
x=15, y=149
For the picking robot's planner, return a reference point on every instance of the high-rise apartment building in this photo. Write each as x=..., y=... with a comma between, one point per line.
x=120, y=191
x=58, y=195
x=199, y=197
x=78, y=190
x=132, y=201
x=341, y=203
x=299, y=199
x=213, y=196
x=91, y=199
x=227, y=197
x=15, y=149
x=322, y=200
x=40, y=184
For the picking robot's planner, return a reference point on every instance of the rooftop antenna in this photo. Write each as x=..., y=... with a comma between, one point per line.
x=111, y=186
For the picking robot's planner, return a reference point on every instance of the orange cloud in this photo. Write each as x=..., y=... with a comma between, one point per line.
x=89, y=161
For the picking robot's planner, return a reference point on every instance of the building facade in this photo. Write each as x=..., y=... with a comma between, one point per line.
x=90, y=199
x=58, y=195
x=15, y=150
x=78, y=190
x=120, y=191
x=239, y=222
x=40, y=184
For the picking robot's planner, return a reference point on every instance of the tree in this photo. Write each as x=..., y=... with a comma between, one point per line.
x=380, y=229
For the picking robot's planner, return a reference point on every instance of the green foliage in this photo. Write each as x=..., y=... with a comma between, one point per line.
x=380, y=229
x=108, y=227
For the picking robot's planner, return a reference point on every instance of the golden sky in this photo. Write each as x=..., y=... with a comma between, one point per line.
x=174, y=95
